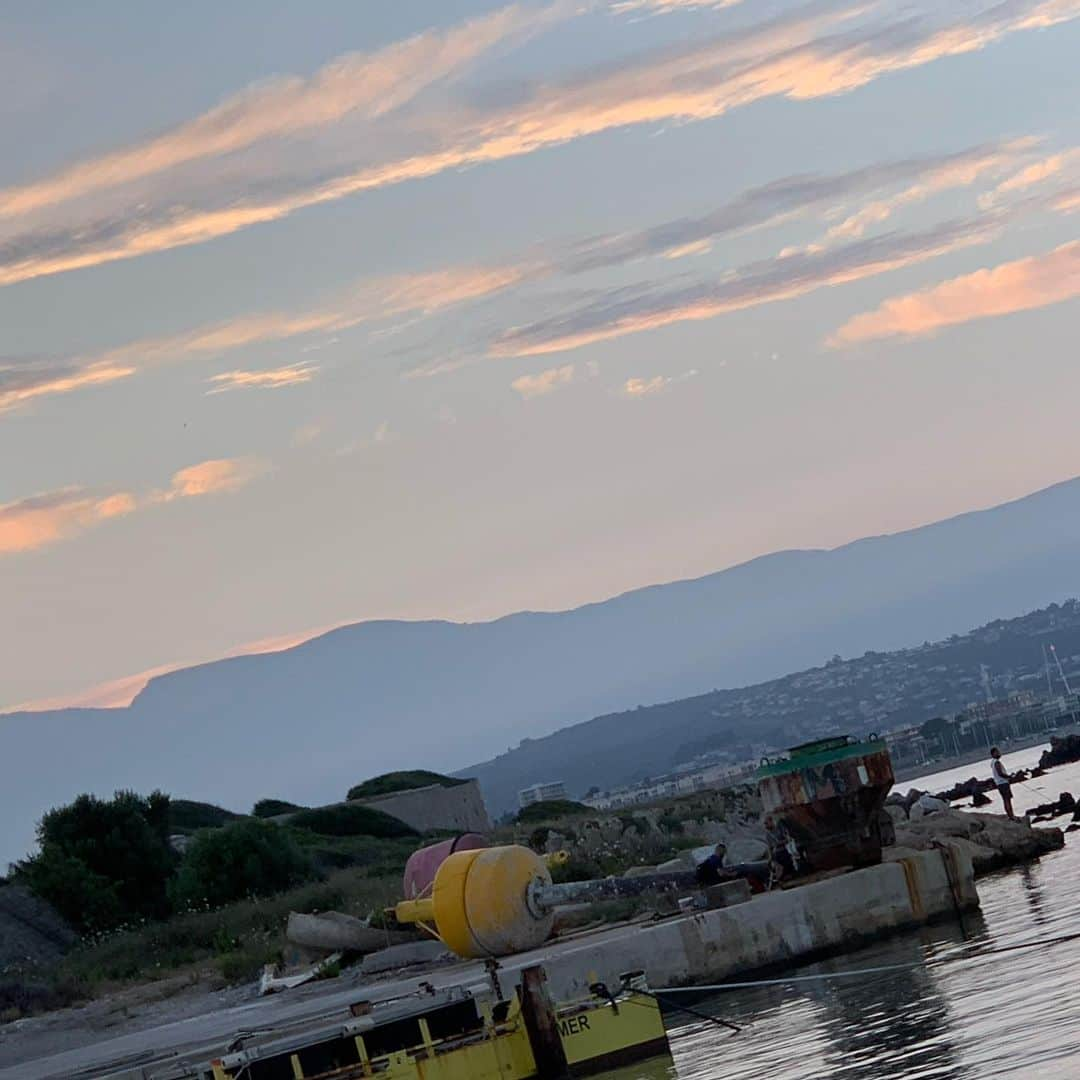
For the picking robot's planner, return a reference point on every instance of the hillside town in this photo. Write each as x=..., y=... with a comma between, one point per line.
x=1010, y=681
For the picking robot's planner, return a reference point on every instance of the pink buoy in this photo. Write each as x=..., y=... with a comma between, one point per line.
x=423, y=863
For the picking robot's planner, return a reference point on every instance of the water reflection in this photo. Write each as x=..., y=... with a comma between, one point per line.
x=1033, y=894
x=963, y=1010
x=892, y=1020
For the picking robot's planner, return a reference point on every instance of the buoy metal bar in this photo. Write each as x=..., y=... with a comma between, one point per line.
x=547, y=897
x=415, y=911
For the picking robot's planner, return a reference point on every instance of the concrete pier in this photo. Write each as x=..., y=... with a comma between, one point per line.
x=771, y=930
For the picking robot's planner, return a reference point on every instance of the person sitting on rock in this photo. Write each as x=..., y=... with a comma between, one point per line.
x=1002, y=780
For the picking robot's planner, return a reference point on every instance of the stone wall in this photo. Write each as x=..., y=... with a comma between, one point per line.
x=459, y=808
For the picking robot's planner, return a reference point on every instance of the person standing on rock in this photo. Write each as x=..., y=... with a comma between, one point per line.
x=1001, y=779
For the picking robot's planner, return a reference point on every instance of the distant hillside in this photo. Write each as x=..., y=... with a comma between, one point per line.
x=304, y=723
x=874, y=692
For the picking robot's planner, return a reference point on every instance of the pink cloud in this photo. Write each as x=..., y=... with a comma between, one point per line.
x=44, y=519
x=636, y=388
x=545, y=382
x=212, y=477
x=1023, y=285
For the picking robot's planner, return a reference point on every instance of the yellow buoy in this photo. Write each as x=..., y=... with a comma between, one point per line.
x=482, y=902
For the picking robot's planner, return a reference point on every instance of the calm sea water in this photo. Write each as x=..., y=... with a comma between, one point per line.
x=976, y=1015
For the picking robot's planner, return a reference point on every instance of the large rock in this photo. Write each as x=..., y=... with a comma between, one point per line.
x=995, y=840
x=927, y=804
x=32, y=934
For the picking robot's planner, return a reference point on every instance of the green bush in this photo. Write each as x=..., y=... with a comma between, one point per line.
x=351, y=820
x=407, y=780
x=265, y=808
x=247, y=858
x=576, y=868
x=104, y=862
x=538, y=838
x=89, y=902
x=551, y=809
x=187, y=816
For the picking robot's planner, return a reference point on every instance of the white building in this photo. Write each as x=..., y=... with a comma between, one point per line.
x=541, y=793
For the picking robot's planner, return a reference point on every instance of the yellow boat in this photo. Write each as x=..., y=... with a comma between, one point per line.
x=463, y=1033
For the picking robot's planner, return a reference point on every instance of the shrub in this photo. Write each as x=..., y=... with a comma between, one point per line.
x=538, y=838
x=350, y=820
x=265, y=808
x=22, y=997
x=89, y=902
x=576, y=868
x=407, y=780
x=246, y=858
x=550, y=809
x=104, y=862
x=639, y=825
x=670, y=823
x=329, y=853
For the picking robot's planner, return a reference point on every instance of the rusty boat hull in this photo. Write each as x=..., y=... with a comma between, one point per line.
x=829, y=796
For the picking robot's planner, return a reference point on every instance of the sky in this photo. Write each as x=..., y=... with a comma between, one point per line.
x=318, y=313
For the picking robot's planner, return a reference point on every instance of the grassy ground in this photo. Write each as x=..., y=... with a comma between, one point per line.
x=232, y=943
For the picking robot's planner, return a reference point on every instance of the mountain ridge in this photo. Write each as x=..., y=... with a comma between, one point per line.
x=307, y=722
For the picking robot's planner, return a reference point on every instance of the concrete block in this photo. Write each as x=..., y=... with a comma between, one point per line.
x=727, y=894
x=333, y=931
x=399, y=956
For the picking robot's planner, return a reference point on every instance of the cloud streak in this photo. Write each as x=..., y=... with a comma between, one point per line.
x=793, y=196
x=620, y=312
x=668, y=7
x=268, y=379
x=427, y=293
x=820, y=50
x=1022, y=285
x=355, y=85
x=47, y=518
x=366, y=301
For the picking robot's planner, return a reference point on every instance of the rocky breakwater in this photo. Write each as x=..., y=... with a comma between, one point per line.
x=1063, y=749
x=991, y=840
